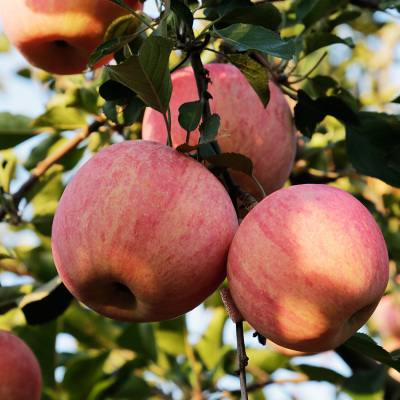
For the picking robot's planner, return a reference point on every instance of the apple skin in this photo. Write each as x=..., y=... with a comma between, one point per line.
x=266, y=136
x=142, y=232
x=20, y=375
x=59, y=36
x=307, y=267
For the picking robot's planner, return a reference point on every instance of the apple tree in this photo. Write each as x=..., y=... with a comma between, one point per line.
x=252, y=96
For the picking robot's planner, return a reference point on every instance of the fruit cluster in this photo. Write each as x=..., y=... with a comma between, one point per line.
x=146, y=233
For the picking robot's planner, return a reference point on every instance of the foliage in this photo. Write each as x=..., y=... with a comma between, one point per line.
x=345, y=109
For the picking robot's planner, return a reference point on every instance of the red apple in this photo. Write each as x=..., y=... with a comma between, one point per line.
x=20, y=376
x=307, y=267
x=59, y=36
x=142, y=232
x=386, y=317
x=267, y=136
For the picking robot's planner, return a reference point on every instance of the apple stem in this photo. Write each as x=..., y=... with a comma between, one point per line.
x=242, y=360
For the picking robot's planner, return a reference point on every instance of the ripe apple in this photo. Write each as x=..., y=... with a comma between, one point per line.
x=307, y=267
x=59, y=36
x=266, y=136
x=386, y=317
x=20, y=376
x=142, y=232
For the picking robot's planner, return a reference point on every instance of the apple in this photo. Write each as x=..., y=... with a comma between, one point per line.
x=307, y=267
x=266, y=135
x=142, y=232
x=59, y=36
x=386, y=317
x=20, y=375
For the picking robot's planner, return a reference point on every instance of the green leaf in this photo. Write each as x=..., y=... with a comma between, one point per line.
x=14, y=129
x=209, y=128
x=308, y=112
x=321, y=374
x=210, y=345
x=364, y=344
x=374, y=146
x=266, y=359
x=140, y=339
x=225, y=7
x=5, y=253
x=190, y=115
x=121, y=32
x=396, y=100
x=97, y=332
x=171, y=336
x=246, y=37
x=236, y=161
x=8, y=165
x=317, y=40
x=46, y=302
x=366, y=384
x=183, y=12
x=321, y=9
x=255, y=74
x=82, y=373
x=265, y=15
x=148, y=73
x=60, y=119
x=122, y=105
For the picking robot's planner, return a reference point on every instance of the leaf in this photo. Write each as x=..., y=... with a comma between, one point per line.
x=8, y=166
x=236, y=161
x=5, y=253
x=317, y=40
x=82, y=372
x=210, y=345
x=255, y=74
x=190, y=115
x=183, y=12
x=246, y=37
x=364, y=344
x=60, y=119
x=148, y=73
x=265, y=15
x=46, y=303
x=321, y=9
x=120, y=33
x=39, y=303
x=321, y=374
x=227, y=6
x=266, y=359
x=373, y=147
x=171, y=336
x=366, y=384
x=308, y=112
x=14, y=129
x=140, y=339
x=209, y=128
x=396, y=100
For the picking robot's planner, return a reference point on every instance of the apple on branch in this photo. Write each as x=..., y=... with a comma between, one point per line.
x=266, y=135
x=59, y=36
x=307, y=267
x=20, y=375
x=142, y=232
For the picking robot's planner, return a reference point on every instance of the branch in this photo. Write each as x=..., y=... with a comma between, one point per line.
x=357, y=361
x=50, y=160
x=242, y=360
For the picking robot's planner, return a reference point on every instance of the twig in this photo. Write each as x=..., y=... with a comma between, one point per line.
x=45, y=164
x=242, y=360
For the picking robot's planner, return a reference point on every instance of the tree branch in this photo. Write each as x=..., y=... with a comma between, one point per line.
x=50, y=160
